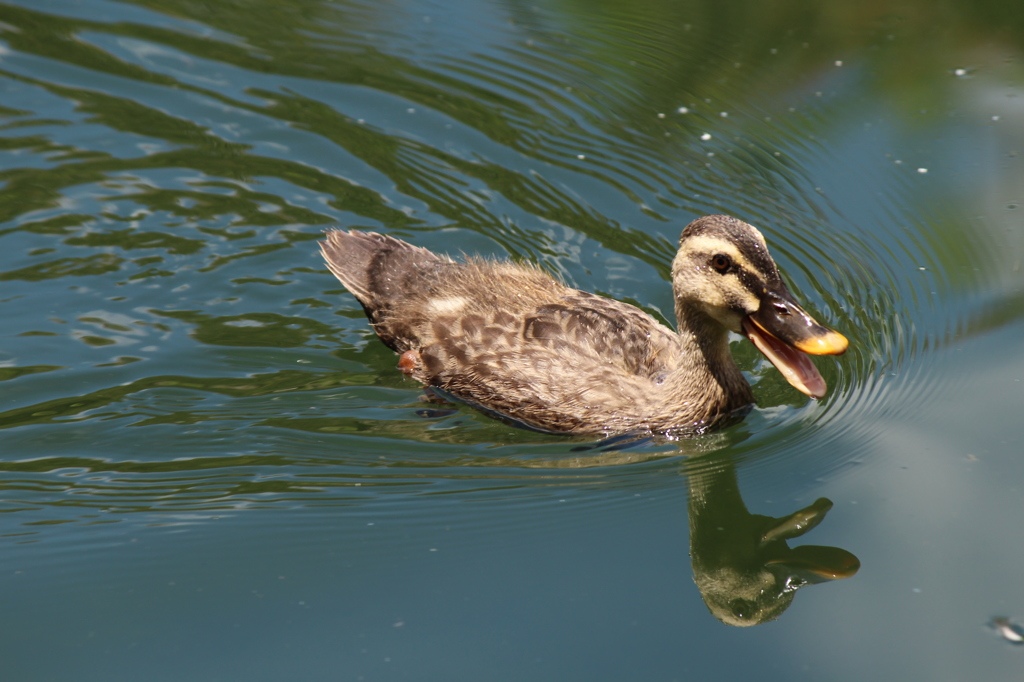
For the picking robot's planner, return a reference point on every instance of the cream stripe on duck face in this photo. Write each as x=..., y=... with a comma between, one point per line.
x=698, y=275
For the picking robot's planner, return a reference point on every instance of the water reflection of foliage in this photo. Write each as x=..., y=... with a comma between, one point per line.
x=530, y=96
x=620, y=87
x=61, y=409
x=533, y=121
x=268, y=330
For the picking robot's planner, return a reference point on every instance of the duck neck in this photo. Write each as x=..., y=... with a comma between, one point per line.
x=705, y=355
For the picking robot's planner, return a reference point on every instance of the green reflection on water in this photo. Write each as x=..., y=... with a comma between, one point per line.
x=159, y=209
x=66, y=267
x=53, y=411
x=8, y=373
x=251, y=329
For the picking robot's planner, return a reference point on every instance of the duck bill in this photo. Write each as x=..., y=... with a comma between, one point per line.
x=815, y=564
x=785, y=333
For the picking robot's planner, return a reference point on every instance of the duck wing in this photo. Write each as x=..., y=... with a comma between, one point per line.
x=610, y=331
x=560, y=365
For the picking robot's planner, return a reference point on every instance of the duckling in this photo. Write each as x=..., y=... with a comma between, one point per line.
x=513, y=341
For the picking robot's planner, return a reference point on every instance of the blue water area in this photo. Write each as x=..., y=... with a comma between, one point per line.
x=211, y=469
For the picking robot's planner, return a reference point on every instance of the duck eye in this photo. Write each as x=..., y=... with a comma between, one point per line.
x=721, y=263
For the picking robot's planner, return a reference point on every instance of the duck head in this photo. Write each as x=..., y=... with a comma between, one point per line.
x=723, y=271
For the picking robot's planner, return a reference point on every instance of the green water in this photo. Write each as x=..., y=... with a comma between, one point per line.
x=211, y=470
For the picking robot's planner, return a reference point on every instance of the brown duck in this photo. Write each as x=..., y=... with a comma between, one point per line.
x=513, y=341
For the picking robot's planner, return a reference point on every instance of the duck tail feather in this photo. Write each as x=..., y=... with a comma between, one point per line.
x=371, y=265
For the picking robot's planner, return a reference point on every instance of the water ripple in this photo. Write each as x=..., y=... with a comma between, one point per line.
x=163, y=191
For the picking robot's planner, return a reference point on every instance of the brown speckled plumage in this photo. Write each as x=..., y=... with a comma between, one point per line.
x=513, y=340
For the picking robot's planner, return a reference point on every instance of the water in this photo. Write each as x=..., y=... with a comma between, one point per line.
x=212, y=470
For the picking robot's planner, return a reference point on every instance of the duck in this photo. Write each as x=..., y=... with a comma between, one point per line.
x=515, y=342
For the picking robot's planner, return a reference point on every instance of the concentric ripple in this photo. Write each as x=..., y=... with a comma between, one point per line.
x=173, y=342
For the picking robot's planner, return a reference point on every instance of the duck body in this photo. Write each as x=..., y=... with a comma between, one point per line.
x=514, y=341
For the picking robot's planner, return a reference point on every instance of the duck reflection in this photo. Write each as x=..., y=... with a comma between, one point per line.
x=742, y=564
x=746, y=572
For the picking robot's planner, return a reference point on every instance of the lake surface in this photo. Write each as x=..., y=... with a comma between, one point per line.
x=212, y=470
